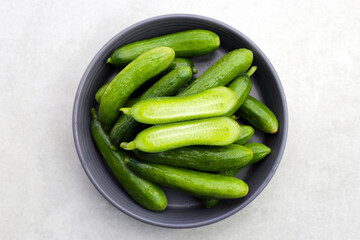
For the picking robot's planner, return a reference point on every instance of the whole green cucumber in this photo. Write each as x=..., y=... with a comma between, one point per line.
x=126, y=127
x=222, y=72
x=213, y=102
x=130, y=78
x=144, y=192
x=101, y=91
x=242, y=87
x=260, y=151
x=217, y=131
x=246, y=133
x=258, y=115
x=185, y=44
x=178, y=62
x=199, y=184
x=205, y=158
x=181, y=62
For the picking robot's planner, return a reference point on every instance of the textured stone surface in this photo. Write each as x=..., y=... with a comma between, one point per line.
x=45, y=47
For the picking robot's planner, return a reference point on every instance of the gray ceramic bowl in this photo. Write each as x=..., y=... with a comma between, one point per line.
x=183, y=211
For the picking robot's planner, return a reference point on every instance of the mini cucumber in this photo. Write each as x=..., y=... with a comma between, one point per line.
x=178, y=62
x=199, y=184
x=241, y=86
x=258, y=115
x=145, y=193
x=260, y=151
x=222, y=72
x=246, y=133
x=217, y=131
x=181, y=62
x=100, y=92
x=185, y=44
x=205, y=158
x=130, y=78
x=126, y=127
x=209, y=103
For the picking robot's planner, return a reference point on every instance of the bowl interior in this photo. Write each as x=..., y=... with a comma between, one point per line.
x=183, y=210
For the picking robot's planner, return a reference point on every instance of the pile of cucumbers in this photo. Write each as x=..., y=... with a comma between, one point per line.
x=179, y=131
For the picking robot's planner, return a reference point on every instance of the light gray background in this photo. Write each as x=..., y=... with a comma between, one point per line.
x=45, y=47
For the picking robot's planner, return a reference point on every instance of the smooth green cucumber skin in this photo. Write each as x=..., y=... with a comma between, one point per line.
x=213, y=102
x=181, y=62
x=146, y=66
x=100, y=92
x=260, y=151
x=126, y=126
x=222, y=72
x=199, y=184
x=178, y=62
x=246, y=133
x=219, y=131
x=204, y=158
x=185, y=44
x=258, y=115
x=144, y=192
x=242, y=87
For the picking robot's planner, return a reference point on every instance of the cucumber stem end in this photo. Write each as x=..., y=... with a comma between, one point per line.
x=128, y=146
x=251, y=71
x=127, y=111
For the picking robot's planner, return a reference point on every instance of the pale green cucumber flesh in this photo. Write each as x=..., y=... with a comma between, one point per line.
x=209, y=103
x=126, y=127
x=218, y=131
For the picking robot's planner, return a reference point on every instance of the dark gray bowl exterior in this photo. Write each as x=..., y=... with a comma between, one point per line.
x=267, y=87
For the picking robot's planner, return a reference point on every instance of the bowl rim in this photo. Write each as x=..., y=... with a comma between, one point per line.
x=203, y=222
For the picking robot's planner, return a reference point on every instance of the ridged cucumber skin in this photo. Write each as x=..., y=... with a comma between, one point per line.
x=258, y=115
x=222, y=72
x=204, y=158
x=260, y=151
x=146, y=66
x=178, y=62
x=246, y=133
x=126, y=126
x=145, y=193
x=219, y=131
x=199, y=184
x=188, y=43
x=241, y=86
x=213, y=102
